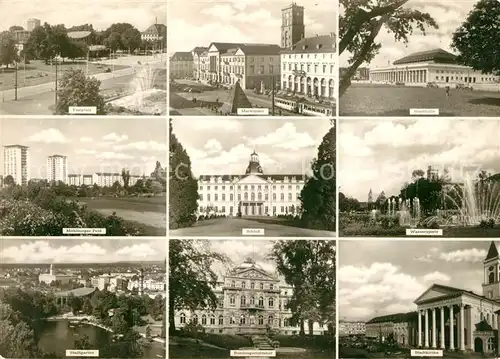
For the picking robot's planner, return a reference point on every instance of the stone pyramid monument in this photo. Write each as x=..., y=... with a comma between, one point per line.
x=236, y=99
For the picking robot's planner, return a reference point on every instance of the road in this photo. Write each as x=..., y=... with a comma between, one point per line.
x=230, y=227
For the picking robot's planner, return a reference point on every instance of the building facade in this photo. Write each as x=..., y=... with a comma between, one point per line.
x=16, y=163
x=198, y=54
x=33, y=23
x=251, y=194
x=52, y=276
x=57, y=168
x=292, y=25
x=157, y=34
x=102, y=179
x=434, y=66
x=250, y=301
x=351, y=327
x=402, y=327
x=181, y=65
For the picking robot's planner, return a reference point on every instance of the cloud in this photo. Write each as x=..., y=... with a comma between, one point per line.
x=143, y=146
x=51, y=135
x=286, y=137
x=137, y=251
x=436, y=277
x=113, y=156
x=85, y=139
x=84, y=151
x=213, y=146
x=113, y=137
x=472, y=255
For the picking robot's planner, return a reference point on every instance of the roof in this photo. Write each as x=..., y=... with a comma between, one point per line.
x=394, y=318
x=236, y=99
x=57, y=156
x=452, y=293
x=78, y=292
x=21, y=146
x=182, y=56
x=199, y=50
x=483, y=326
x=78, y=34
x=156, y=29
x=315, y=44
x=435, y=55
x=277, y=177
x=260, y=49
x=492, y=252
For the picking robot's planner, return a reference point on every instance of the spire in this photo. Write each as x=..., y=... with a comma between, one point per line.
x=492, y=252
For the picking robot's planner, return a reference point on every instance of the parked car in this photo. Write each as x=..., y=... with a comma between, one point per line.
x=464, y=87
x=432, y=85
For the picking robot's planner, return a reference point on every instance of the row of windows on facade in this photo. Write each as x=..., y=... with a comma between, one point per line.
x=252, y=285
x=260, y=301
x=269, y=179
x=308, y=66
x=252, y=187
x=468, y=79
x=252, y=197
x=232, y=320
x=454, y=72
x=284, y=209
x=301, y=56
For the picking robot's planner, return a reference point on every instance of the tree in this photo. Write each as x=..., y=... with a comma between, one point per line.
x=83, y=343
x=381, y=201
x=416, y=174
x=191, y=278
x=113, y=41
x=361, y=23
x=347, y=204
x=16, y=28
x=125, y=177
x=480, y=31
x=75, y=89
x=47, y=42
x=131, y=39
x=183, y=199
x=8, y=50
x=370, y=199
x=318, y=196
x=9, y=181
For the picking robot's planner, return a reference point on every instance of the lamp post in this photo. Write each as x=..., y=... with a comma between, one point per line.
x=15, y=84
x=55, y=92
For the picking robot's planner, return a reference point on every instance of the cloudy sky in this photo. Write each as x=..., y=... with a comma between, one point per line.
x=101, y=14
x=91, y=145
x=381, y=155
x=385, y=277
x=223, y=146
x=72, y=250
x=449, y=15
x=251, y=21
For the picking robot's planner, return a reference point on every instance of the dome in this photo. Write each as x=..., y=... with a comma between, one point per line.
x=254, y=166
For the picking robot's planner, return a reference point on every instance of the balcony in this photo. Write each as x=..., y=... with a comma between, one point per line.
x=252, y=306
x=299, y=72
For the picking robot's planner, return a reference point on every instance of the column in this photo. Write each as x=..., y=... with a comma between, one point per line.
x=452, y=341
x=426, y=328
x=441, y=334
x=434, y=338
x=419, y=328
x=462, y=328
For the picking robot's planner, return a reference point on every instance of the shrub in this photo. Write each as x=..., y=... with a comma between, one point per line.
x=487, y=223
x=227, y=341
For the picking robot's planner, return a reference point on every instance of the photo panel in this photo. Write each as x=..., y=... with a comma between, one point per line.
x=69, y=176
x=232, y=177
x=252, y=298
x=419, y=58
x=83, y=297
x=273, y=58
x=419, y=177
x=421, y=298
x=84, y=57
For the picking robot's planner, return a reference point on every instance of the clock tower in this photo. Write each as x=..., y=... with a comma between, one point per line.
x=292, y=25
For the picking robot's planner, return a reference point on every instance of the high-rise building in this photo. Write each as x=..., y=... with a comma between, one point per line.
x=57, y=168
x=16, y=163
x=292, y=25
x=32, y=23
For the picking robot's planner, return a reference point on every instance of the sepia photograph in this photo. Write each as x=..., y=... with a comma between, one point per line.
x=83, y=57
x=81, y=297
x=419, y=178
x=66, y=176
x=401, y=297
x=252, y=177
x=252, y=298
x=415, y=57
x=254, y=57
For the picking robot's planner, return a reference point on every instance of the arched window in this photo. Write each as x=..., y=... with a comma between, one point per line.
x=183, y=318
x=252, y=320
x=243, y=285
x=261, y=320
x=271, y=302
x=204, y=319
x=242, y=319
x=252, y=300
x=270, y=320
x=221, y=320
x=271, y=286
x=212, y=319
x=491, y=278
x=261, y=286
x=252, y=195
x=245, y=196
x=286, y=322
x=195, y=319
x=259, y=196
x=261, y=301
x=233, y=284
x=252, y=285
x=232, y=301
x=243, y=300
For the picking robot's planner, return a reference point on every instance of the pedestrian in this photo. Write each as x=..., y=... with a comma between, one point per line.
x=448, y=91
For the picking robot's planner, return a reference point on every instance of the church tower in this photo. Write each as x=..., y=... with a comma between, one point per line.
x=491, y=284
x=254, y=165
x=292, y=25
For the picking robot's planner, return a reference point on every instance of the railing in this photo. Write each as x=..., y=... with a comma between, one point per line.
x=251, y=306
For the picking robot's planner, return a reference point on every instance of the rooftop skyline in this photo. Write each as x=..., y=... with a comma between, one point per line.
x=449, y=15
x=223, y=146
x=385, y=276
x=90, y=145
x=101, y=14
x=241, y=21
x=382, y=154
x=73, y=250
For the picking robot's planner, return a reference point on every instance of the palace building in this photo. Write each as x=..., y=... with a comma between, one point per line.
x=250, y=301
x=434, y=66
x=251, y=194
x=450, y=318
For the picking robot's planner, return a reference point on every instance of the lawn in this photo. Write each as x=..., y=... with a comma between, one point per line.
x=141, y=204
x=386, y=100
x=37, y=72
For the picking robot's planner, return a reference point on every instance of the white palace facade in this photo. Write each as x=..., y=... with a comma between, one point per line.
x=251, y=194
x=250, y=301
x=434, y=66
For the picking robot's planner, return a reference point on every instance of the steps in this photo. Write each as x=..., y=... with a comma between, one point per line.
x=262, y=342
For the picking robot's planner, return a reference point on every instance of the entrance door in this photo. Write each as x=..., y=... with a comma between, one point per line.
x=260, y=210
x=253, y=210
x=447, y=79
x=478, y=345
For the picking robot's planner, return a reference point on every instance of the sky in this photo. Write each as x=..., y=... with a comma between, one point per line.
x=80, y=250
x=382, y=154
x=91, y=145
x=386, y=276
x=241, y=21
x=449, y=15
x=101, y=14
x=224, y=145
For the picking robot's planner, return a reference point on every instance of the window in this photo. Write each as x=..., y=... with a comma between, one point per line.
x=252, y=285
x=261, y=302
x=231, y=197
x=243, y=300
x=233, y=284
x=270, y=320
x=195, y=319
x=282, y=197
x=252, y=300
x=242, y=319
x=271, y=302
x=243, y=285
x=212, y=320
x=223, y=196
x=232, y=301
x=261, y=320
x=204, y=319
x=261, y=286
x=221, y=320
x=271, y=286
x=183, y=318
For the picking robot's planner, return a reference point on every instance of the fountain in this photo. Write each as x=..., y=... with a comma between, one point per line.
x=409, y=213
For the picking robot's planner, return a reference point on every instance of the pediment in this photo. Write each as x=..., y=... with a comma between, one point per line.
x=252, y=273
x=436, y=291
x=239, y=52
x=252, y=179
x=213, y=48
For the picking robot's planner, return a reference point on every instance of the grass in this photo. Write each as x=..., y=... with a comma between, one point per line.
x=141, y=204
x=37, y=72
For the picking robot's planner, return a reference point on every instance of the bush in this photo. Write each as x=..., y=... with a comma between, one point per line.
x=323, y=342
x=227, y=341
x=487, y=223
